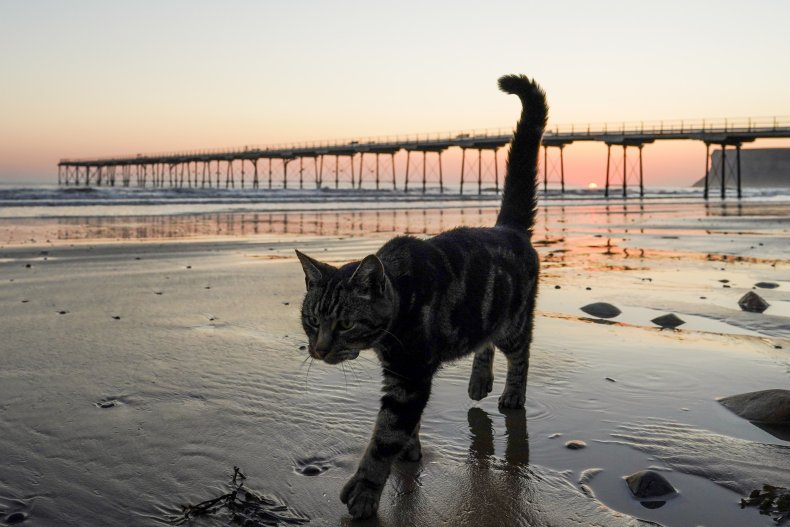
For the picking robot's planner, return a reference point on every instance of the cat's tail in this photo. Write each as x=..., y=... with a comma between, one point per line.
x=520, y=196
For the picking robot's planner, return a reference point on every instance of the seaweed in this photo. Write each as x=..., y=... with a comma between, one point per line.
x=772, y=501
x=244, y=506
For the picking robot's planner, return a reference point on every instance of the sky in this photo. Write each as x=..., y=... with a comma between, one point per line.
x=90, y=78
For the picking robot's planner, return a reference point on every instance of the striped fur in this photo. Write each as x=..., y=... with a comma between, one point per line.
x=419, y=303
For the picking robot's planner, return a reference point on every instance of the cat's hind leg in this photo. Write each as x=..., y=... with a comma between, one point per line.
x=481, y=382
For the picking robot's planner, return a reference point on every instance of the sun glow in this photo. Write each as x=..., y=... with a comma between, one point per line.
x=592, y=186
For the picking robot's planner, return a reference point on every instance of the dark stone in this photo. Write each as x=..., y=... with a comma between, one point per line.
x=649, y=484
x=556, y=287
x=105, y=404
x=601, y=310
x=753, y=303
x=670, y=321
x=766, y=285
x=15, y=518
x=116, y=317
x=311, y=470
x=575, y=444
x=652, y=504
x=765, y=406
x=610, y=379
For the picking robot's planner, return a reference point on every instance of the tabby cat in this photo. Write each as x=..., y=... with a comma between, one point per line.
x=421, y=302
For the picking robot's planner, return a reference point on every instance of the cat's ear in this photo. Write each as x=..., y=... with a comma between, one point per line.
x=314, y=270
x=370, y=275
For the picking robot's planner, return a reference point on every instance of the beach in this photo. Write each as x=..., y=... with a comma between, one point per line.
x=143, y=356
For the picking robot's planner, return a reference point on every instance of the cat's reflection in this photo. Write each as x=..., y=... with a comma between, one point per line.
x=488, y=490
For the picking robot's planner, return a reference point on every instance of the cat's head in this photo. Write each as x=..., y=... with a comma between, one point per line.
x=346, y=309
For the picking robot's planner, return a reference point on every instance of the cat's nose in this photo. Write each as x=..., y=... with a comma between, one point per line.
x=323, y=343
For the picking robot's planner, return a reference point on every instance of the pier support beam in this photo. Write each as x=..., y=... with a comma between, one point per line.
x=547, y=172
x=425, y=167
x=707, y=170
x=723, y=171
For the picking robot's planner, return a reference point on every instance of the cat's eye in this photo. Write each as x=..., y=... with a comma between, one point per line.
x=312, y=321
x=345, y=325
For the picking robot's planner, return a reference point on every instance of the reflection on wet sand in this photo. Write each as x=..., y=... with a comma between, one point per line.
x=334, y=223
x=488, y=491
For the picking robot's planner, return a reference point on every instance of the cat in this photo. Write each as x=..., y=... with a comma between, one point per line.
x=421, y=302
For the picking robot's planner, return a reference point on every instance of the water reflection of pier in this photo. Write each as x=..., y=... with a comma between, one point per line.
x=425, y=222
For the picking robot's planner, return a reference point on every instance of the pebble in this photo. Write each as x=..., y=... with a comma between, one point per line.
x=610, y=379
x=557, y=287
x=601, y=310
x=116, y=317
x=753, y=303
x=766, y=285
x=649, y=484
x=670, y=321
x=17, y=517
x=575, y=444
x=311, y=470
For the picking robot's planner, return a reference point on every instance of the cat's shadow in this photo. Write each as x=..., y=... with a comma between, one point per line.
x=488, y=490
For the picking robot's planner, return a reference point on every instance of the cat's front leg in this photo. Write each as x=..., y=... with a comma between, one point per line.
x=401, y=409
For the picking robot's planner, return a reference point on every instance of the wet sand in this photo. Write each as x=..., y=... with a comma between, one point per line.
x=135, y=374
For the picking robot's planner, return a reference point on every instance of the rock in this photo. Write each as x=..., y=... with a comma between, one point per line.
x=311, y=470
x=575, y=444
x=610, y=379
x=766, y=285
x=15, y=518
x=649, y=484
x=670, y=321
x=601, y=310
x=765, y=406
x=753, y=303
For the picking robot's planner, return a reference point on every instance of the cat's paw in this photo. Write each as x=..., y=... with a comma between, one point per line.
x=480, y=385
x=361, y=496
x=511, y=399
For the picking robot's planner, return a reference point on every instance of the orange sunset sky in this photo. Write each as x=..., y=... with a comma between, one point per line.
x=93, y=78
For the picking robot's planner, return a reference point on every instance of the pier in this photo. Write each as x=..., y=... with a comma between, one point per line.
x=370, y=162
